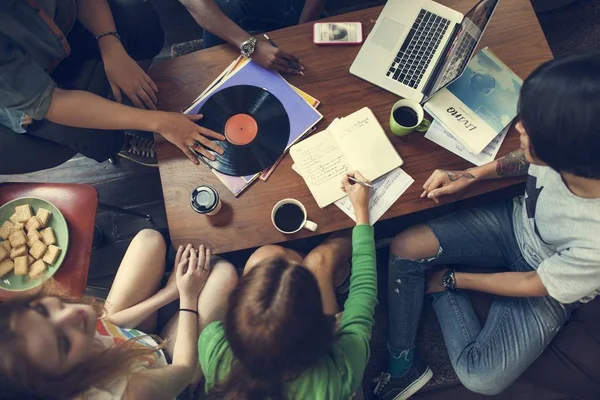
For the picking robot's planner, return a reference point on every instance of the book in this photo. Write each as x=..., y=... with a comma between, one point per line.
x=303, y=116
x=479, y=105
x=356, y=142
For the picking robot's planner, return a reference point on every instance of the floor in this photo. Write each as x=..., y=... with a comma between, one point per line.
x=570, y=30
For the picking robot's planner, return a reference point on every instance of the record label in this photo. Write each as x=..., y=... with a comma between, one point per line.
x=255, y=124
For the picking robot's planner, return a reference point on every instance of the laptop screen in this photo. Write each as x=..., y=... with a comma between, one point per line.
x=464, y=43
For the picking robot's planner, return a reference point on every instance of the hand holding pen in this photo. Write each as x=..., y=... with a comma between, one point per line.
x=269, y=56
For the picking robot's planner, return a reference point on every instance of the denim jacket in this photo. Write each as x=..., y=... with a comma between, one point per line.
x=31, y=45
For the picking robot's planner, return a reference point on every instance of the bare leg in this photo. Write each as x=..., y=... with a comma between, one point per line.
x=139, y=275
x=327, y=262
x=212, y=304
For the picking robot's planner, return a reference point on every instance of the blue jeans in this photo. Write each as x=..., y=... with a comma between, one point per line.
x=257, y=16
x=486, y=359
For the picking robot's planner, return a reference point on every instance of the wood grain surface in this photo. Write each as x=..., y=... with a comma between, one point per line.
x=514, y=35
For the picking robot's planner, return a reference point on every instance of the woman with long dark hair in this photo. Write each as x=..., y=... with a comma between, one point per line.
x=279, y=339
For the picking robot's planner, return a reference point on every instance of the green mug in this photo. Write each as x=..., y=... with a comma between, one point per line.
x=408, y=116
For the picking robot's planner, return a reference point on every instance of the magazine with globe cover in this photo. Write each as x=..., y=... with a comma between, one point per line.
x=480, y=104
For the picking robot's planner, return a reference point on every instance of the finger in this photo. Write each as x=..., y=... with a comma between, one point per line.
x=289, y=56
x=178, y=255
x=146, y=99
x=116, y=92
x=194, y=117
x=135, y=100
x=285, y=67
x=190, y=154
x=345, y=181
x=434, y=184
x=207, y=143
x=360, y=177
x=201, y=257
x=424, y=194
x=151, y=83
x=193, y=264
x=205, y=153
x=207, y=132
x=150, y=92
x=444, y=190
x=431, y=177
x=207, y=263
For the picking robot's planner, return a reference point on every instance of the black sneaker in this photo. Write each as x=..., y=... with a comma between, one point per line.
x=139, y=150
x=402, y=388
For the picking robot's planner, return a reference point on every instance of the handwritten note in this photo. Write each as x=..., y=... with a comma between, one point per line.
x=439, y=134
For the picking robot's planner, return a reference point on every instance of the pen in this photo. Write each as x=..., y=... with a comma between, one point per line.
x=293, y=64
x=365, y=184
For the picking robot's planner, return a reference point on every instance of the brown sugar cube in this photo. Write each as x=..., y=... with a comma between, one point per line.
x=33, y=223
x=38, y=250
x=51, y=254
x=13, y=219
x=6, y=266
x=18, y=252
x=37, y=268
x=5, y=229
x=17, y=239
x=48, y=236
x=43, y=216
x=24, y=213
x=4, y=253
x=21, y=266
x=30, y=259
x=6, y=245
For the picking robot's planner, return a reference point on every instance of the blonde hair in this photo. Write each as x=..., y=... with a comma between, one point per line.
x=21, y=378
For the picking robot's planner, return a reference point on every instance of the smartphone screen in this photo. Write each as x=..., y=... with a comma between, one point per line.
x=338, y=33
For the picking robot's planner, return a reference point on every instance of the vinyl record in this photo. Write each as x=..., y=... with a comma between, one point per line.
x=255, y=124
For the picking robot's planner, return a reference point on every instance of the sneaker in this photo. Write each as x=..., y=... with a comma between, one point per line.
x=402, y=388
x=140, y=150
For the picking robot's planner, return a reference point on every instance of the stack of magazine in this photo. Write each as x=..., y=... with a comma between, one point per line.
x=473, y=114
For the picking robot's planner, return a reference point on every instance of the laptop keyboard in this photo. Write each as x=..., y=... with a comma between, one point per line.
x=418, y=49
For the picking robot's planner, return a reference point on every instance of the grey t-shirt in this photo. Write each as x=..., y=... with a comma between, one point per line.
x=559, y=235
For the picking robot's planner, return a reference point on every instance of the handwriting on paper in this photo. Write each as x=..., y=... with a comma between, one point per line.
x=322, y=163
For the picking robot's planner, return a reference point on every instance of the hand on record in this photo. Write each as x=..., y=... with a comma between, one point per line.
x=183, y=132
x=270, y=57
x=443, y=182
x=192, y=271
x=125, y=75
x=357, y=193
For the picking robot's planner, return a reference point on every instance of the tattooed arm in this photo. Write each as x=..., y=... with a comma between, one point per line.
x=443, y=182
x=513, y=164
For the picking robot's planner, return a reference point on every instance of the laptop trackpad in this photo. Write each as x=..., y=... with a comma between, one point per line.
x=387, y=34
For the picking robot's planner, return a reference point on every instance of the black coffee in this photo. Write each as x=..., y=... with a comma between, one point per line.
x=289, y=217
x=406, y=116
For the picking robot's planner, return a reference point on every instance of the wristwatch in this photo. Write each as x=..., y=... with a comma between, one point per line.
x=449, y=280
x=248, y=46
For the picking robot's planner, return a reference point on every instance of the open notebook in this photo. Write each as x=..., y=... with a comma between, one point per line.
x=356, y=142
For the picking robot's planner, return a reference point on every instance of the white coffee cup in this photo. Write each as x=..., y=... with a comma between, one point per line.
x=297, y=226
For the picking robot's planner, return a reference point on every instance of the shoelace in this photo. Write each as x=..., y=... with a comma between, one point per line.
x=382, y=382
x=141, y=146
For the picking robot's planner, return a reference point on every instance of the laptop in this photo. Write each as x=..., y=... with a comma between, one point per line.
x=418, y=47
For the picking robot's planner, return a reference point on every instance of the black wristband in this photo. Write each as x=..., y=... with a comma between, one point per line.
x=189, y=310
x=112, y=33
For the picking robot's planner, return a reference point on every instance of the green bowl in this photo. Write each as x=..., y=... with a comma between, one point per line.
x=14, y=283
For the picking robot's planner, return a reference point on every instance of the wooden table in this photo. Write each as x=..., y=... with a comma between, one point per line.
x=514, y=35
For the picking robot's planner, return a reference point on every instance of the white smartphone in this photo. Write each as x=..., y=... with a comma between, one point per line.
x=337, y=33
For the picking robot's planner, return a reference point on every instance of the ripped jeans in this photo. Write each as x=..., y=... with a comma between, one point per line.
x=486, y=359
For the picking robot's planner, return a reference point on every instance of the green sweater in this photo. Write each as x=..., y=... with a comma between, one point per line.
x=339, y=373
